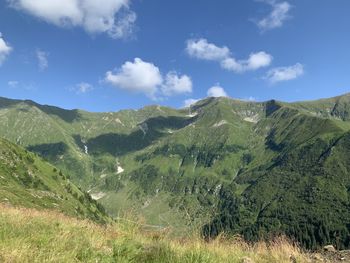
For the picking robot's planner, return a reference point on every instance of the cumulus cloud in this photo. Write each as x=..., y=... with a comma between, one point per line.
x=202, y=49
x=145, y=77
x=43, y=61
x=110, y=16
x=278, y=15
x=83, y=87
x=285, y=73
x=137, y=76
x=175, y=84
x=255, y=61
x=189, y=102
x=216, y=91
x=5, y=49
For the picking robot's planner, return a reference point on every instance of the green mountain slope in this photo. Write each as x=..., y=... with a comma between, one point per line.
x=60, y=135
x=254, y=168
x=28, y=181
x=303, y=191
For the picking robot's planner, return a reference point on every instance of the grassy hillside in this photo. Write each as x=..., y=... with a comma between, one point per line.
x=28, y=235
x=304, y=190
x=28, y=181
x=253, y=168
x=62, y=136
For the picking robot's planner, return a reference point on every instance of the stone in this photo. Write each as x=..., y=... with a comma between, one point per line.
x=329, y=248
x=247, y=260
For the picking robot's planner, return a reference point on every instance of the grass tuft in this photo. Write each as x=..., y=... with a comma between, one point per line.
x=28, y=235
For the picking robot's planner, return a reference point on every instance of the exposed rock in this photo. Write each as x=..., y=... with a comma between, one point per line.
x=220, y=123
x=146, y=204
x=253, y=119
x=247, y=260
x=117, y=120
x=191, y=115
x=329, y=248
x=160, y=109
x=98, y=196
x=120, y=169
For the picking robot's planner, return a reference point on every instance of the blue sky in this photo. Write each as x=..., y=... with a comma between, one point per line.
x=116, y=54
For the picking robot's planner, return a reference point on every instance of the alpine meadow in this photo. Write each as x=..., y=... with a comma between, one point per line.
x=168, y=131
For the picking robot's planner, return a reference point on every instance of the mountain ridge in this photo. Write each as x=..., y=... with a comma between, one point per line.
x=207, y=165
x=29, y=101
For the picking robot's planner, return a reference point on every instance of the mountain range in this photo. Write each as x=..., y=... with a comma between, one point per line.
x=257, y=169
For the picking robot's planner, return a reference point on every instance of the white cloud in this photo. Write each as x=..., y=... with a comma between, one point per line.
x=202, y=49
x=277, y=17
x=216, y=91
x=137, y=76
x=174, y=84
x=124, y=26
x=258, y=60
x=12, y=83
x=255, y=61
x=5, y=49
x=145, y=77
x=15, y=84
x=93, y=15
x=231, y=64
x=83, y=87
x=285, y=73
x=43, y=61
x=187, y=103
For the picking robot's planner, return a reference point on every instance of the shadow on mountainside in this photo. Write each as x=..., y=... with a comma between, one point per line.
x=66, y=115
x=148, y=132
x=49, y=151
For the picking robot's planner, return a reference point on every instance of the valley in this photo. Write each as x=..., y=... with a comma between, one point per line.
x=223, y=165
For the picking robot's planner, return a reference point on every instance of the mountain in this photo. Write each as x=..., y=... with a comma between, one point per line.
x=251, y=168
x=28, y=181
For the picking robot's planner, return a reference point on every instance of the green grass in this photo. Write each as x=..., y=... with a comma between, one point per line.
x=253, y=168
x=27, y=180
x=28, y=235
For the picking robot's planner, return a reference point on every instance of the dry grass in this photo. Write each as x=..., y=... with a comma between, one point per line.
x=27, y=235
